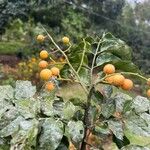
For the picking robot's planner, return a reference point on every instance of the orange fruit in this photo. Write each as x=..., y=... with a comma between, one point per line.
x=109, y=79
x=55, y=71
x=49, y=86
x=43, y=54
x=43, y=64
x=65, y=40
x=40, y=38
x=127, y=84
x=109, y=69
x=45, y=74
x=148, y=81
x=148, y=93
x=118, y=79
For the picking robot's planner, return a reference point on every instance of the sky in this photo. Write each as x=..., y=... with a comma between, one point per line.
x=133, y=1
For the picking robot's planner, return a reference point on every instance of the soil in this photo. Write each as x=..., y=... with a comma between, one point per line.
x=10, y=60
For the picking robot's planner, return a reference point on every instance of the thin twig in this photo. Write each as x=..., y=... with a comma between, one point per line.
x=94, y=58
x=83, y=54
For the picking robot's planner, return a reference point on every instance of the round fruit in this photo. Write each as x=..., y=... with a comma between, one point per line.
x=148, y=93
x=43, y=64
x=40, y=38
x=127, y=84
x=65, y=40
x=109, y=69
x=49, y=86
x=43, y=54
x=45, y=74
x=55, y=71
x=118, y=79
x=148, y=81
x=110, y=79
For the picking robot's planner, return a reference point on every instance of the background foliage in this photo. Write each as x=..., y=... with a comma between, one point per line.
x=77, y=18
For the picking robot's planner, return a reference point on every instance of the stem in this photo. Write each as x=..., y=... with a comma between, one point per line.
x=67, y=60
x=135, y=74
x=83, y=54
x=94, y=58
x=125, y=73
x=86, y=120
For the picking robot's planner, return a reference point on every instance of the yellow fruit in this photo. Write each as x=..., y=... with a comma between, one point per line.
x=118, y=79
x=45, y=74
x=148, y=93
x=109, y=69
x=127, y=84
x=65, y=40
x=33, y=60
x=49, y=86
x=55, y=71
x=43, y=64
x=40, y=38
x=109, y=79
x=148, y=82
x=43, y=54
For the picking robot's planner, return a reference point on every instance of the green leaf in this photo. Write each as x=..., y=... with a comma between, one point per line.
x=84, y=75
x=75, y=130
x=52, y=107
x=127, y=106
x=120, y=99
x=24, y=89
x=126, y=66
x=89, y=39
x=7, y=92
x=68, y=110
x=106, y=58
x=134, y=147
x=11, y=128
x=116, y=127
x=108, y=108
x=107, y=90
x=115, y=46
x=102, y=130
x=138, y=125
x=28, y=108
x=51, y=134
x=141, y=104
x=97, y=97
x=137, y=140
x=26, y=137
x=4, y=145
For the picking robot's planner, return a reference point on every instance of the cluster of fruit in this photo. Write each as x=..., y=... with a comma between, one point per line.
x=46, y=73
x=118, y=79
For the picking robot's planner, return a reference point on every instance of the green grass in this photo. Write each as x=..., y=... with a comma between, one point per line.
x=10, y=48
x=69, y=91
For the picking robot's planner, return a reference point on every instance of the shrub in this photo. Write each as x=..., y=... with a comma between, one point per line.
x=45, y=120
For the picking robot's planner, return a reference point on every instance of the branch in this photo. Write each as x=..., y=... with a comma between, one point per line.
x=102, y=80
x=67, y=60
x=83, y=54
x=94, y=58
x=86, y=120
